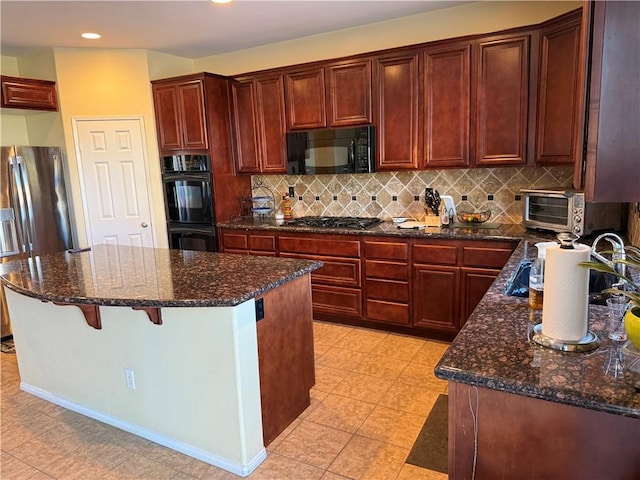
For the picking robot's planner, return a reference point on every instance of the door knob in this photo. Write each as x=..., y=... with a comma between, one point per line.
x=144, y=224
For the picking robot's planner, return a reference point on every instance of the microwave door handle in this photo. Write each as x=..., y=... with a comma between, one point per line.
x=352, y=157
x=18, y=202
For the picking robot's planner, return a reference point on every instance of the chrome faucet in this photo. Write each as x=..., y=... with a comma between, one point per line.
x=617, y=254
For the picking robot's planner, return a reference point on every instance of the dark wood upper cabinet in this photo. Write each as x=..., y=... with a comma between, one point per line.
x=259, y=124
x=349, y=94
x=180, y=115
x=305, y=97
x=447, y=105
x=29, y=93
x=611, y=166
x=245, y=124
x=502, y=101
x=559, y=91
x=270, y=94
x=330, y=95
x=396, y=92
x=193, y=117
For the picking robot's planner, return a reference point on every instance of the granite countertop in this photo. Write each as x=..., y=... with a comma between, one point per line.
x=494, y=350
x=487, y=231
x=150, y=277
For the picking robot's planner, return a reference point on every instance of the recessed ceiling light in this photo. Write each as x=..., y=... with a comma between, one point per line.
x=91, y=36
x=222, y=1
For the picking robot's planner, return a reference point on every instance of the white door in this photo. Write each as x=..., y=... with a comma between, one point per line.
x=112, y=160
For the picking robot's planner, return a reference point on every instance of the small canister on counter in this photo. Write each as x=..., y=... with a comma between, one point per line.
x=286, y=207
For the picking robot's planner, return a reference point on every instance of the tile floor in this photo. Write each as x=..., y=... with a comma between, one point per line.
x=373, y=393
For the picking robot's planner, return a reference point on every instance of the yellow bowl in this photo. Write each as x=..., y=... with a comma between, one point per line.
x=632, y=325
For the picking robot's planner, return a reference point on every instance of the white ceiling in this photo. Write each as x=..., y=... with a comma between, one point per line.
x=187, y=28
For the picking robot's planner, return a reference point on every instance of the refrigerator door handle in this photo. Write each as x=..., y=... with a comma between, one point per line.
x=27, y=191
x=18, y=201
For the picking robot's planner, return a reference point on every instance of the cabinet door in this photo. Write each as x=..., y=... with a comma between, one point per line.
x=272, y=123
x=436, y=303
x=502, y=101
x=246, y=127
x=165, y=100
x=559, y=90
x=194, y=124
x=349, y=93
x=447, y=106
x=29, y=93
x=475, y=283
x=397, y=112
x=612, y=167
x=305, y=99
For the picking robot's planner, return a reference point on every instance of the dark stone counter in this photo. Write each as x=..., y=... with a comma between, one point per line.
x=494, y=350
x=486, y=231
x=150, y=277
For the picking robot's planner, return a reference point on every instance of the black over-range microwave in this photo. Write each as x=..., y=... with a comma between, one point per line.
x=342, y=150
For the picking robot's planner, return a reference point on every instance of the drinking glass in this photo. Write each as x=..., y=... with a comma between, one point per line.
x=617, y=306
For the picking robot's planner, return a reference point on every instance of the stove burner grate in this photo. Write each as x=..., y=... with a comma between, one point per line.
x=360, y=223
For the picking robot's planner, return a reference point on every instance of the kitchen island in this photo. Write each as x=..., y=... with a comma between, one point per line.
x=208, y=354
x=520, y=410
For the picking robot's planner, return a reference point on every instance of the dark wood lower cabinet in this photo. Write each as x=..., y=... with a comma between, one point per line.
x=475, y=283
x=285, y=356
x=388, y=312
x=520, y=437
x=424, y=287
x=337, y=301
x=436, y=301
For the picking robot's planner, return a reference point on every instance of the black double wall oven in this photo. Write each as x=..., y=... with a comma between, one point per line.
x=188, y=199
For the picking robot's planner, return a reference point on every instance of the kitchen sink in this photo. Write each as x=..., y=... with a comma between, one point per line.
x=518, y=285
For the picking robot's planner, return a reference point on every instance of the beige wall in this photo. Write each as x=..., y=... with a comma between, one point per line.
x=162, y=65
x=468, y=19
x=9, y=66
x=13, y=130
x=108, y=83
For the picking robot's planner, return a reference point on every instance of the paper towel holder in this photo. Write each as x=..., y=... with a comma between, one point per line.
x=586, y=344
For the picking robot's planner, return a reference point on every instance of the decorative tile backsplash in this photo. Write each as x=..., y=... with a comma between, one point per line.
x=401, y=194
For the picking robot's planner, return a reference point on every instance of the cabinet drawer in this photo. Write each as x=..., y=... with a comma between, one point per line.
x=485, y=256
x=336, y=300
x=335, y=271
x=329, y=245
x=435, y=254
x=386, y=250
x=386, y=270
x=388, y=290
x=388, y=312
x=234, y=241
x=262, y=243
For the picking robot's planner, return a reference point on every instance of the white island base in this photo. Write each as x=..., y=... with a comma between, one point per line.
x=195, y=384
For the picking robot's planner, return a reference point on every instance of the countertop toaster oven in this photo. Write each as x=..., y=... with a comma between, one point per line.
x=565, y=210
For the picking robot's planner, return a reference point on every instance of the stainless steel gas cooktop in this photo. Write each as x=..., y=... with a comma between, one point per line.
x=358, y=223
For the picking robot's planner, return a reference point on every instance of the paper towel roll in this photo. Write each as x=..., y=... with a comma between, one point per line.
x=565, y=303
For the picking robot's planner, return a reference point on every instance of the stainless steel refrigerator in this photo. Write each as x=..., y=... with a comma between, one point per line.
x=34, y=212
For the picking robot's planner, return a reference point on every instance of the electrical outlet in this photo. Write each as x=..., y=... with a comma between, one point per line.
x=130, y=378
x=292, y=192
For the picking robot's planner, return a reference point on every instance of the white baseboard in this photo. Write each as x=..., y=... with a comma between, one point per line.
x=207, y=457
